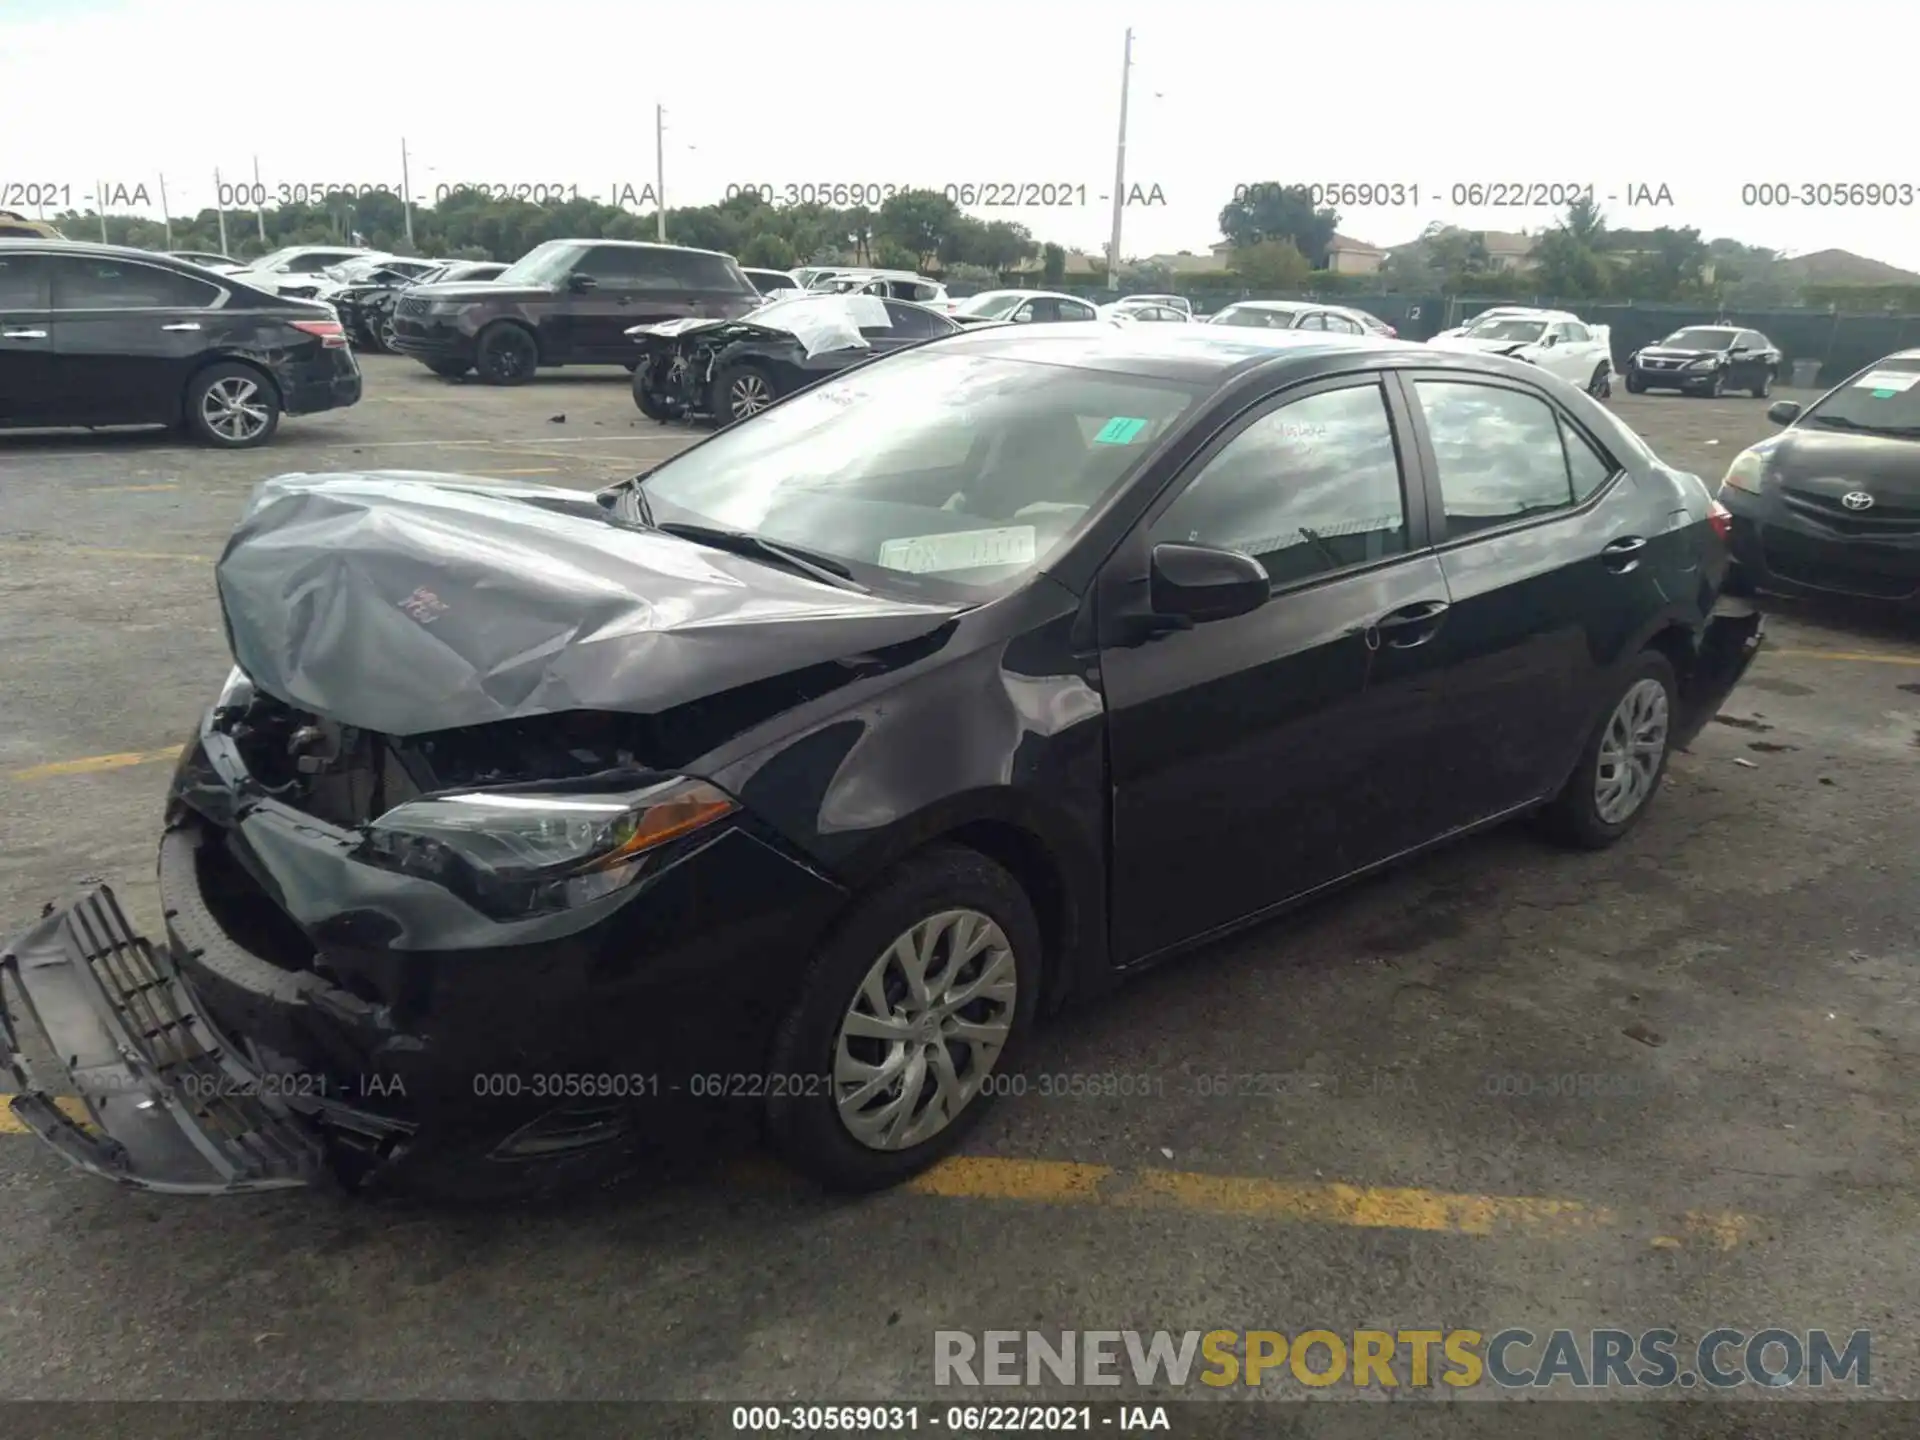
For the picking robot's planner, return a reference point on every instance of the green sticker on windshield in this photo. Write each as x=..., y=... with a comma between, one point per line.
x=1885, y=394
x=1120, y=430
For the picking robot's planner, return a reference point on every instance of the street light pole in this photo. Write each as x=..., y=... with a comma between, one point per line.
x=259, y=201
x=660, y=171
x=406, y=192
x=166, y=213
x=1120, y=171
x=220, y=209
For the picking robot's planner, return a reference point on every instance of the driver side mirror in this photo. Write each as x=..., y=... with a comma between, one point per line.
x=1023, y=315
x=1199, y=583
x=1784, y=412
x=581, y=284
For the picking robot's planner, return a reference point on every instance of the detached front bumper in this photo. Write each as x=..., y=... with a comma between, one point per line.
x=309, y=1018
x=1732, y=638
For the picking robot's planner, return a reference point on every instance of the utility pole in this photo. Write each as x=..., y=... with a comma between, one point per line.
x=166, y=214
x=406, y=192
x=220, y=209
x=259, y=202
x=100, y=205
x=1120, y=171
x=660, y=171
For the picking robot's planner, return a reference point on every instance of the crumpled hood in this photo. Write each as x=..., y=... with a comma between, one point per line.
x=405, y=602
x=1484, y=347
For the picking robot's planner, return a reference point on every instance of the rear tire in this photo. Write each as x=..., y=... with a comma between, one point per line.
x=1623, y=761
x=506, y=354
x=231, y=406
x=968, y=920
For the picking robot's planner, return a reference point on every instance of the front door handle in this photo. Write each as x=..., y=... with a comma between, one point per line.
x=185, y=325
x=1623, y=555
x=23, y=334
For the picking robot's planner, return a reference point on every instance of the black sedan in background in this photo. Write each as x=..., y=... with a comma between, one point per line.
x=726, y=370
x=1707, y=360
x=365, y=303
x=98, y=335
x=802, y=773
x=1833, y=503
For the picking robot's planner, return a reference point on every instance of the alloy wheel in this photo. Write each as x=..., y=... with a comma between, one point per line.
x=233, y=409
x=748, y=395
x=386, y=333
x=924, y=1030
x=1631, y=750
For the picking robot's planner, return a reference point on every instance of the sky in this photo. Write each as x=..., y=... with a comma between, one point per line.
x=1395, y=94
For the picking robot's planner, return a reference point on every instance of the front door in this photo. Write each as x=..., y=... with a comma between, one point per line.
x=29, y=389
x=125, y=336
x=1256, y=758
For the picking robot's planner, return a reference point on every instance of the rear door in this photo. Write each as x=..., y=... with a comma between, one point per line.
x=125, y=336
x=629, y=288
x=1542, y=536
x=29, y=384
x=1256, y=758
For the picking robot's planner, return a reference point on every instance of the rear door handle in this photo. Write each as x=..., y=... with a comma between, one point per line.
x=185, y=325
x=1623, y=555
x=1410, y=625
x=23, y=334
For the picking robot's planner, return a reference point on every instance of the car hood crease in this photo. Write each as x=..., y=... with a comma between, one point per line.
x=406, y=603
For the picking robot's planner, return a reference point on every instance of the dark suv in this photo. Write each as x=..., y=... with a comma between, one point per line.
x=567, y=302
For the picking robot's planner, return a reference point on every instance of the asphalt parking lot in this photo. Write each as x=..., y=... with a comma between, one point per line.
x=1671, y=1084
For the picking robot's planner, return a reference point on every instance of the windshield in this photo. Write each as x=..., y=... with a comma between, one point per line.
x=1248, y=316
x=1884, y=398
x=992, y=305
x=268, y=261
x=1511, y=330
x=1697, y=339
x=946, y=474
x=542, y=265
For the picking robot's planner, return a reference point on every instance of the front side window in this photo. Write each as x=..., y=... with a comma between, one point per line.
x=1253, y=318
x=1499, y=454
x=545, y=264
x=101, y=283
x=947, y=473
x=1307, y=489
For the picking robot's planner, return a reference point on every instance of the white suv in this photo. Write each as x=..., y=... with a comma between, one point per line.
x=296, y=271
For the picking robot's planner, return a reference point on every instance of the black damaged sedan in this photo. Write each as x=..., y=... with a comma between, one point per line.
x=805, y=772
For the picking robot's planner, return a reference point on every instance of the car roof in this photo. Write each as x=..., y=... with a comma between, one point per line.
x=632, y=245
x=1288, y=307
x=1171, y=352
x=83, y=247
x=1909, y=354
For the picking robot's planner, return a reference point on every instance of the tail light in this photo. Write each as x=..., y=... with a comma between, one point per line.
x=333, y=335
x=1721, y=519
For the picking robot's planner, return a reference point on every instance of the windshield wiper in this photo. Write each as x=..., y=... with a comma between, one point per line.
x=744, y=542
x=1838, y=422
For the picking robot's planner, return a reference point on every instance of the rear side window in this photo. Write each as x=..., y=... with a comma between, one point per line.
x=23, y=282
x=1499, y=453
x=1587, y=466
x=692, y=270
x=89, y=283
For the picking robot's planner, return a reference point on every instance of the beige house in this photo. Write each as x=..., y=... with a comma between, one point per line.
x=1507, y=249
x=1347, y=256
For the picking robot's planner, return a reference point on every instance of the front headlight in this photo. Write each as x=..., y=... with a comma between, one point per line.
x=515, y=853
x=1706, y=364
x=1745, y=471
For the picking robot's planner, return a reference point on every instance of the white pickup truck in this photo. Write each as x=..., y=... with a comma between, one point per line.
x=1555, y=340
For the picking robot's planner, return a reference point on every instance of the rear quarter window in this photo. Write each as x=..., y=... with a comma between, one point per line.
x=693, y=270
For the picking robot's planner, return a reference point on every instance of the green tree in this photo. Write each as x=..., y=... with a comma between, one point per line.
x=1585, y=223
x=1272, y=265
x=768, y=252
x=916, y=221
x=1567, y=266
x=1053, y=265
x=892, y=255
x=1271, y=211
x=1668, y=264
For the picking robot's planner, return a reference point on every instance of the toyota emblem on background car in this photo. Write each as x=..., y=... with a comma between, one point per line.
x=1857, y=500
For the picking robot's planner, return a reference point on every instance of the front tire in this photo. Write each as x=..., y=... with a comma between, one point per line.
x=1635, y=385
x=1600, y=387
x=506, y=354
x=919, y=998
x=645, y=399
x=231, y=407
x=741, y=391
x=1622, y=763
x=1764, y=387
x=1716, y=388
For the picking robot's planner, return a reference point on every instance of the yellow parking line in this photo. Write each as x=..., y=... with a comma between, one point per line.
x=1062, y=1183
x=132, y=489
x=56, y=550
x=70, y=1106
x=94, y=764
x=1870, y=656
